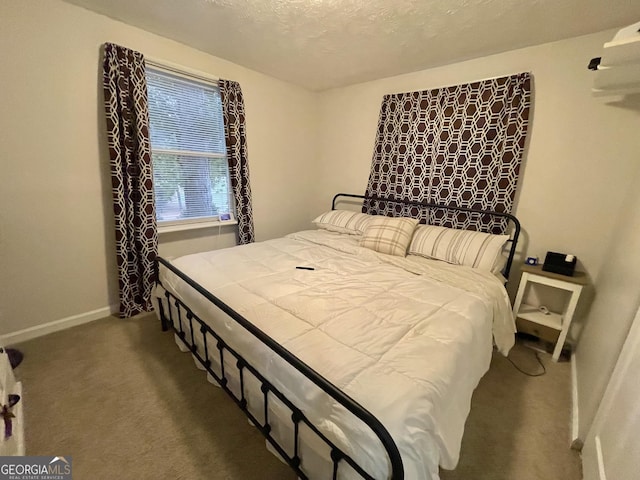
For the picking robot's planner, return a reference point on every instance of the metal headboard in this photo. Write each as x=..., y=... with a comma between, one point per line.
x=508, y=216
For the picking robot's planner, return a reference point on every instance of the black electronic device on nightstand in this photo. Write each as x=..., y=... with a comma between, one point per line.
x=560, y=263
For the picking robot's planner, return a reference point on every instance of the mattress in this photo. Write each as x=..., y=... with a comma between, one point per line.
x=406, y=337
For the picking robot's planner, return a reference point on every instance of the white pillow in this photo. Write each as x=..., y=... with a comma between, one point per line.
x=343, y=221
x=461, y=247
x=390, y=235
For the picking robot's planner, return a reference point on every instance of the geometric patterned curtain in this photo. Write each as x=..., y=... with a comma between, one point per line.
x=126, y=108
x=459, y=145
x=236, y=140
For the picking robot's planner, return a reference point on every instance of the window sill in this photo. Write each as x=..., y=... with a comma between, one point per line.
x=195, y=225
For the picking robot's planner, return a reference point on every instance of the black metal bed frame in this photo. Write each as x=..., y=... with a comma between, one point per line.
x=204, y=357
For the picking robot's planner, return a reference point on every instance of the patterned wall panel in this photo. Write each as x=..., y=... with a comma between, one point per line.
x=459, y=145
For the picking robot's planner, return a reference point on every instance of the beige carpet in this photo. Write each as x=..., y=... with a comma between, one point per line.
x=121, y=399
x=519, y=426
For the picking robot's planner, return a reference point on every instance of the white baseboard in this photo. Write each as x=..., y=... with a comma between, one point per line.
x=55, y=326
x=576, y=443
x=602, y=475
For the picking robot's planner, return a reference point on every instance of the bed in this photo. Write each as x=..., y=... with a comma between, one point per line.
x=352, y=363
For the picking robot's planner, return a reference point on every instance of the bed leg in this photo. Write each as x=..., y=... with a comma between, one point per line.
x=163, y=319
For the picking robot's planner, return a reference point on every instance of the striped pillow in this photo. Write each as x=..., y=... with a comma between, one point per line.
x=461, y=247
x=389, y=235
x=343, y=221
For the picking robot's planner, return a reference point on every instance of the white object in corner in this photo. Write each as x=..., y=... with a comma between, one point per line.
x=14, y=445
x=612, y=447
x=55, y=326
x=619, y=69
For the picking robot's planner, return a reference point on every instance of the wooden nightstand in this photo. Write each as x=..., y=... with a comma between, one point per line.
x=530, y=319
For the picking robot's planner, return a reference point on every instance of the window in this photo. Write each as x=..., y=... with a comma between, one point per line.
x=190, y=169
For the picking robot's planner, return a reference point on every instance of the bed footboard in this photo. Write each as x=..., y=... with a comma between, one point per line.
x=171, y=307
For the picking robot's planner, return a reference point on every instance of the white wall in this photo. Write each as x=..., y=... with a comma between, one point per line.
x=614, y=308
x=577, y=166
x=56, y=239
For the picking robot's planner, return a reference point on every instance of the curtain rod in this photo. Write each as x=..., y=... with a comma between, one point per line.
x=181, y=70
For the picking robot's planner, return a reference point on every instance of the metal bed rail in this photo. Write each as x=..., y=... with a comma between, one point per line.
x=508, y=216
x=396, y=469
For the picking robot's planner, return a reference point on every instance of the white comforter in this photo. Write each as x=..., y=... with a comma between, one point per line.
x=408, y=338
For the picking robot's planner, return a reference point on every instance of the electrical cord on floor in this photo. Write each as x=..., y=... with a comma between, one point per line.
x=537, y=355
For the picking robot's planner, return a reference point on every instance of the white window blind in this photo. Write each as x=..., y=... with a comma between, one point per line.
x=190, y=169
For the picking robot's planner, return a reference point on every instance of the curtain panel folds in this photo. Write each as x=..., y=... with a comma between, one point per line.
x=236, y=140
x=459, y=145
x=127, y=119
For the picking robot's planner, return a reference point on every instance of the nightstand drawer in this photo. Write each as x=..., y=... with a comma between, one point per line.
x=541, y=331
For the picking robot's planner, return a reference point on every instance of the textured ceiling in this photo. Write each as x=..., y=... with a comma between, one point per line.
x=321, y=44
